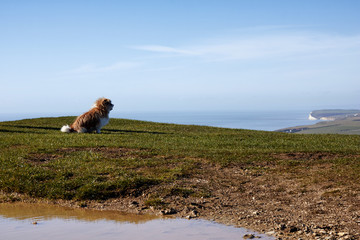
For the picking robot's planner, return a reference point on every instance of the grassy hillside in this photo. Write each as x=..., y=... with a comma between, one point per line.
x=130, y=156
x=350, y=125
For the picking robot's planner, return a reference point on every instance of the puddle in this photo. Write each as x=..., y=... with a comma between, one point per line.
x=58, y=223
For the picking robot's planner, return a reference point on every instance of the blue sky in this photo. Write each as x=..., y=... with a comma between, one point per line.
x=186, y=55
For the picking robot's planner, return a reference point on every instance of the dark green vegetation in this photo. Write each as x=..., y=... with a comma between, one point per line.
x=131, y=156
x=349, y=125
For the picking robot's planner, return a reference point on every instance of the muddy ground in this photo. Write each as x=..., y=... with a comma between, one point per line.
x=296, y=204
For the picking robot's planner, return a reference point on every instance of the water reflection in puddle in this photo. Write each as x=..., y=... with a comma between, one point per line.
x=55, y=223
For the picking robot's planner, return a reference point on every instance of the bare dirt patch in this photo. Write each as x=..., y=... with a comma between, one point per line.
x=310, y=156
x=39, y=158
x=277, y=204
x=289, y=202
x=107, y=151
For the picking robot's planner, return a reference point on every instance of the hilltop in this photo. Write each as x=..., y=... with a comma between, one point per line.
x=289, y=185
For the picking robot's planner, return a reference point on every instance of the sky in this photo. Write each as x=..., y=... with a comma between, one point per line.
x=179, y=55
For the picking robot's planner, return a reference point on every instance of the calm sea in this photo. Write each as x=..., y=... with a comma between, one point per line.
x=268, y=120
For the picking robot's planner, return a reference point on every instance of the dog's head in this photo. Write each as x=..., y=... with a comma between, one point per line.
x=104, y=104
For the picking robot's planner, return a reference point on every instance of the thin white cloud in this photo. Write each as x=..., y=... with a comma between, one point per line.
x=91, y=68
x=165, y=49
x=265, y=46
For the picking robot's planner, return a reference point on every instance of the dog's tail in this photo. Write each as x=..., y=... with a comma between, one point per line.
x=67, y=129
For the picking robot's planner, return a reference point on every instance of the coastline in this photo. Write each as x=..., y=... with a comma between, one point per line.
x=331, y=121
x=349, y=126
x=311, y=117
x=240, y=197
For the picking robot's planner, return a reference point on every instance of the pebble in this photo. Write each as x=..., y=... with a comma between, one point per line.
x=330, y=238
x=270, y=233
x=249, y=236
x=342, y=234
x=282, y=226
x=134, y=203
x=168, y=211
x=193, y=214
x=256, y=213
x=293, y=229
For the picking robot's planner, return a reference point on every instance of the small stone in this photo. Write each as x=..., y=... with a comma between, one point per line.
x=330, y=238
x=168, y=211
x=270, y=233
x=134, y=203
x=249, y=236
x=282, y=227
x=342, y=234
x=256, y=213
x=83, y=205
x=193, y=214
x=293, y=229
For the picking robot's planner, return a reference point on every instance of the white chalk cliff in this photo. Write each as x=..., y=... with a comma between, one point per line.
x=312, y=118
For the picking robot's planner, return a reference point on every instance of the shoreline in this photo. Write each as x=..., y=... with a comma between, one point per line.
x=348, y=125
x=256, y=202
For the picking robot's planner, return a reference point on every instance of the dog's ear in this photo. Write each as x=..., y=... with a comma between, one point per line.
x=104, y=102
x=99, y=102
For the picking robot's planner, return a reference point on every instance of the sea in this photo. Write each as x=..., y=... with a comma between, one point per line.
x=255, y=120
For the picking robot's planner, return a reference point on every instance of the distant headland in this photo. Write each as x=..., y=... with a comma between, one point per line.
x=339, y=121
x=333, y=114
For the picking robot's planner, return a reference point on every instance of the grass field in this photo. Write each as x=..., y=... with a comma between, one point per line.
x=130, y=156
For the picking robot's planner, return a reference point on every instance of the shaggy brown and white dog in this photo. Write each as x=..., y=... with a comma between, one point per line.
x=93, y=120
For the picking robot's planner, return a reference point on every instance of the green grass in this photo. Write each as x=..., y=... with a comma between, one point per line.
x=130, y=156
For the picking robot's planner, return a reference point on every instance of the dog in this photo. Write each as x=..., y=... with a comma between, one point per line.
x=93, y=120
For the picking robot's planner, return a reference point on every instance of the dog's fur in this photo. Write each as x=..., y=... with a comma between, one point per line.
x=93, y=120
